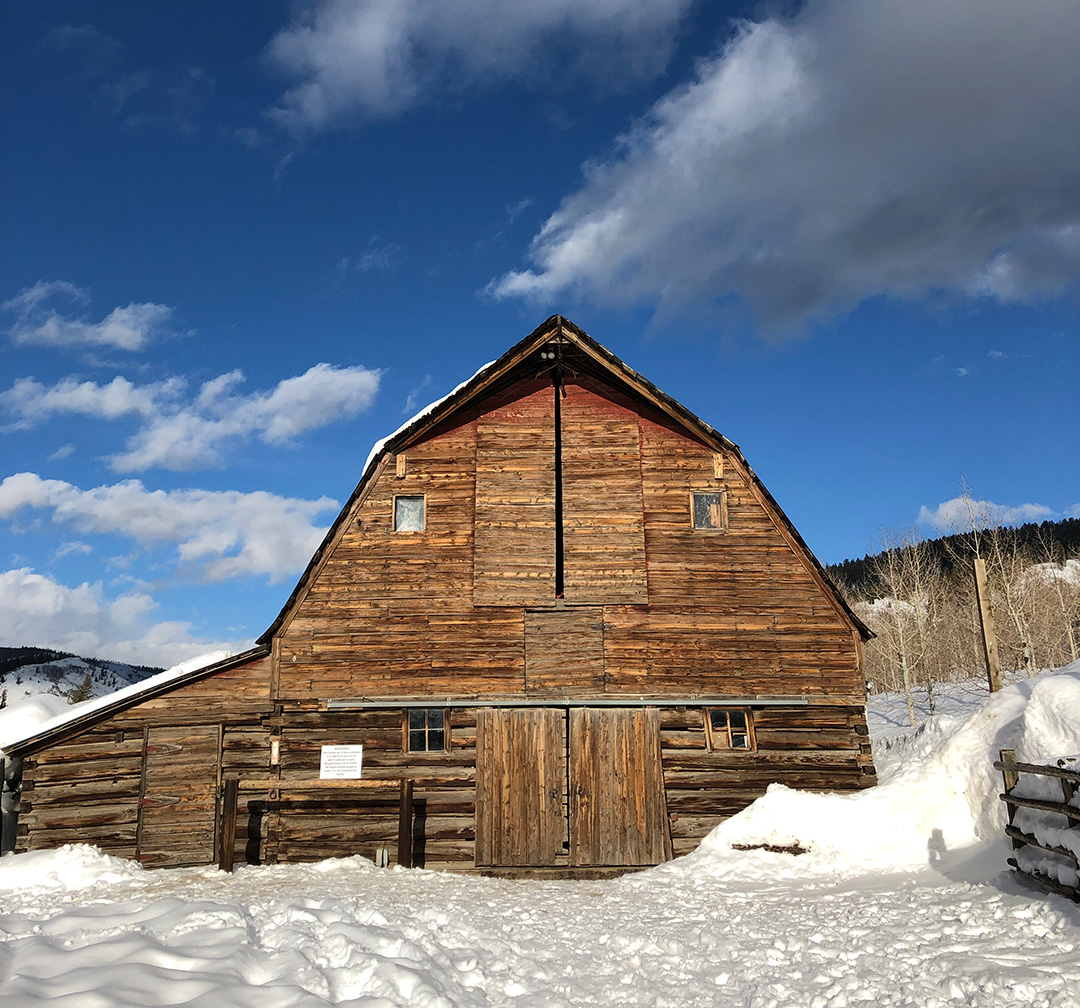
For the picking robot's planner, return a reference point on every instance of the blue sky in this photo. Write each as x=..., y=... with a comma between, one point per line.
x=242, y=242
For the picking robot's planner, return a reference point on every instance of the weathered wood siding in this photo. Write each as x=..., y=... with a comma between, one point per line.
x=444, y=611
x=514, y=558
x=812, y=748
x=393, y=612
x=603, y=525
x=305, y=826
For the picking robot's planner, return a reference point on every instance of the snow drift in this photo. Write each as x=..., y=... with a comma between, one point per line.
x=939, y=790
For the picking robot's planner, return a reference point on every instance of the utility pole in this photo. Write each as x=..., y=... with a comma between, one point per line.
x=986, y=621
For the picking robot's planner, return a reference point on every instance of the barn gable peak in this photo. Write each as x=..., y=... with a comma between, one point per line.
x=571, y=348
x=579, y=355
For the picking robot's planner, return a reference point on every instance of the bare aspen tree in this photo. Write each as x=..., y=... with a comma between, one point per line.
x=920, y=600
x=1052, y=583
x=906, y=618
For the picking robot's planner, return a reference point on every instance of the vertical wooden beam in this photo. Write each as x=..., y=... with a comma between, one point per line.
x=986, y=621
x=227, y=840
x=405, y=825
x=1068, y=790
x=1010, y=775
x=399, y=465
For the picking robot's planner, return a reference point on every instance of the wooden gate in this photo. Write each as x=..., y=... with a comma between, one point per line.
x=520, y=786
x=615, y=815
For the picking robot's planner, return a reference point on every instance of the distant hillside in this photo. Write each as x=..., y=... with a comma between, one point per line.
x=26, y=672
x=1063, y=537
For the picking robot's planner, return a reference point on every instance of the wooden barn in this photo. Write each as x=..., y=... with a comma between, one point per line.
x=558, y=604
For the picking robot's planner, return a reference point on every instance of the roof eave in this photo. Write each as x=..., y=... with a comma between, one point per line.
x=30, y=745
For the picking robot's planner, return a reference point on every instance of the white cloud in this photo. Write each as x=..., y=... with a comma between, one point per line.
x=71, y=546
x=84, y=620
x=374, y=259
x=32, y=402
x=184, y=435
x=848, y=151
x=217, y=534
x=378, y=57
x=958, y=514
x=129, y=328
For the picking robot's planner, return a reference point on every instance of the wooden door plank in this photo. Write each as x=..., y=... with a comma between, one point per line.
x=178, y=803
x=603, y=521
x=520, y=818
x=616, y=786
x=514, y=546
x=564, y=652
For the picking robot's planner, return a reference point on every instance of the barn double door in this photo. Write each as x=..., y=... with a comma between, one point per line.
x=579, y=787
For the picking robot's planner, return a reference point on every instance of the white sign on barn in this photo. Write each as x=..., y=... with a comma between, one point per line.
x=341, y=762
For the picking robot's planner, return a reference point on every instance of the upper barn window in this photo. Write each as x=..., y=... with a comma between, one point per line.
x=729, y=728
x=709, y=510
x=409, y=514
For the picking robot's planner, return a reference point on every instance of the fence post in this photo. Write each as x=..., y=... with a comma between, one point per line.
x=1068, y=789
x=227, y=839
x=405, y=824
x=1010, y=775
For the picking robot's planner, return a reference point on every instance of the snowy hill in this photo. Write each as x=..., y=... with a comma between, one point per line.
x=28, y=672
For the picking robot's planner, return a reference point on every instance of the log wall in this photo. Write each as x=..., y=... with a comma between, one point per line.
x=92, y=789
x=144, y=783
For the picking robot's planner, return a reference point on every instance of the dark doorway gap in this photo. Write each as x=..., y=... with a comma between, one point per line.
x=560, y=578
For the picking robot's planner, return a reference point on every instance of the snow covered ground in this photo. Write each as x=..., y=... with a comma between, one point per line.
x=903, y=899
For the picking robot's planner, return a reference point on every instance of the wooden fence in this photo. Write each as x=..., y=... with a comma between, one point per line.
x=230, y=795
x=1011, y=771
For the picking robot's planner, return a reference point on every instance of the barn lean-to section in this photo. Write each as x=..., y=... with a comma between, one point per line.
x=560, y=604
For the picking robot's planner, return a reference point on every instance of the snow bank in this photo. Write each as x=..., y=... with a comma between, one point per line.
x=73, y=866
x=23, y=720
x=940, y=791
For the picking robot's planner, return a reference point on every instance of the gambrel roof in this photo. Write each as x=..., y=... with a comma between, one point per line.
x=580, y=354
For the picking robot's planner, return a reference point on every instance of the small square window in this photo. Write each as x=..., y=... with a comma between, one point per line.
x=425, y=729
x=729, y=728
x=709, y=511
x=409, y=514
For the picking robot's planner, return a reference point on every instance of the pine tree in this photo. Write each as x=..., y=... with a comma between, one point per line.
x=84, y=691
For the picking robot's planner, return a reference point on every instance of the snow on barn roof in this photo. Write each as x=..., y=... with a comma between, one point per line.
x=22, y=726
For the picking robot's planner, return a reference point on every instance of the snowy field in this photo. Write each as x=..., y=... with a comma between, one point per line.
x=903, y=899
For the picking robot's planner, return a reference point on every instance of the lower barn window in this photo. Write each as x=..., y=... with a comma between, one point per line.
x=729, y=728
x=409, y=514
x=425, y=729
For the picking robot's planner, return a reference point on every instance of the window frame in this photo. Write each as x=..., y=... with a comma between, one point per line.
x=406, y=742
x=723, y=527
x=718, y=739
x=394, y=513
